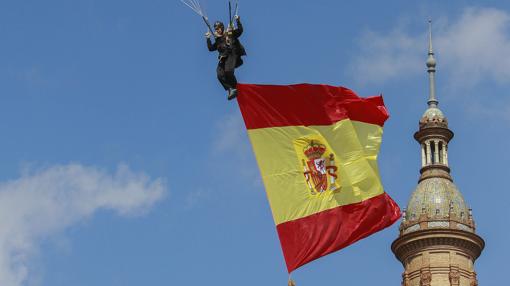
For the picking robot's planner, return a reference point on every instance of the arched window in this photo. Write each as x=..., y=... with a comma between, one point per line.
x=432, y=152
x=441, y=150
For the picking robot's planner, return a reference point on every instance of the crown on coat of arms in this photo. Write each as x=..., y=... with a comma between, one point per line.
x=314, y=150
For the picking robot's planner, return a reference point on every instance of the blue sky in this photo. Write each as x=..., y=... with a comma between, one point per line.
x=122, y=163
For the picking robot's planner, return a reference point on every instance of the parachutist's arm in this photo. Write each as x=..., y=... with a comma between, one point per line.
x=239, y=29
x=212, y=47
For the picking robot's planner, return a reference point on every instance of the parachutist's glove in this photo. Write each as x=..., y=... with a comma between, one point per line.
x=208, y=35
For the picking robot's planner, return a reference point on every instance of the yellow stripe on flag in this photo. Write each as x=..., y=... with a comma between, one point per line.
x=350, y=146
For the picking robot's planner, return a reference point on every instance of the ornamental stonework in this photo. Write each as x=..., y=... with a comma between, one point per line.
x=454, y=276
x=425, y=277
x=405, y=279
x=474, y=280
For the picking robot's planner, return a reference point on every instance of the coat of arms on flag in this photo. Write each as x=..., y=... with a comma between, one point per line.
x=318, y=161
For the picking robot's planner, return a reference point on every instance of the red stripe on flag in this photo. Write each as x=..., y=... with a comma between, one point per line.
x=314, y=236
x=265, y=106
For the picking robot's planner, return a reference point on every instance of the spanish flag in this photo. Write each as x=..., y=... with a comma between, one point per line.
x=316, y=147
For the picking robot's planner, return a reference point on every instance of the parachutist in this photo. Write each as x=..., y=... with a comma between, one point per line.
x=230, y=50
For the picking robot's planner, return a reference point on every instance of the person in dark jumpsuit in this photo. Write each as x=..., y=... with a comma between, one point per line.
x=230, y=51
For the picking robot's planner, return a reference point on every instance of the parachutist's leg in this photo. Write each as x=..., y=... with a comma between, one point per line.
x=230, y=77
x=233, y=83
x=230, y=65
x=220, y=73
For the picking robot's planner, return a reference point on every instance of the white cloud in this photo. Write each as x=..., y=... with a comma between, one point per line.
x=474, y=47
x=477, y=47
x=44, y=202
x=387, y=57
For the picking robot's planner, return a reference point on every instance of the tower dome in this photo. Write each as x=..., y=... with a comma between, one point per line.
x=433, y=113
x=438, y=202
x=438, y=198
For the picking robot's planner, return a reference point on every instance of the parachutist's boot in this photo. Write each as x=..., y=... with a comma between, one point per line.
x=232, y=93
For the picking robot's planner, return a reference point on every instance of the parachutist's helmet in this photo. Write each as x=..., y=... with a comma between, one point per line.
x=219, y=24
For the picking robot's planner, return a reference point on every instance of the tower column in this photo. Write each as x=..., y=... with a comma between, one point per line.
x=446, y=154
x=429, y=157
x=423, y=156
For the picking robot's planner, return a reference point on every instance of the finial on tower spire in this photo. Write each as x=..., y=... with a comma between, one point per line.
x=431, y=69
x=430, y=38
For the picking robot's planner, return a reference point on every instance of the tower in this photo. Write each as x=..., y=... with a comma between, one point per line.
x=437, y=243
